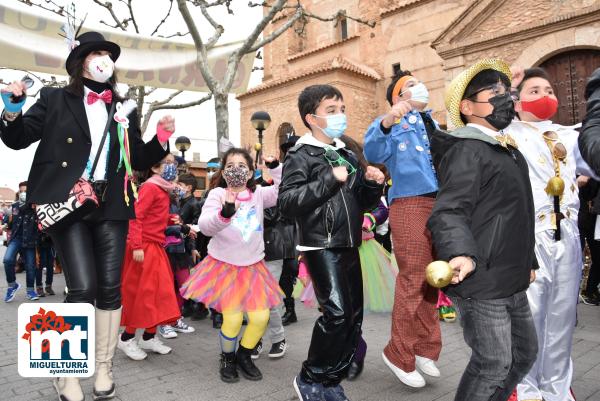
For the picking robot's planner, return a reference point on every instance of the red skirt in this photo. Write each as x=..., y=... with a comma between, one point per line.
x=148, y=289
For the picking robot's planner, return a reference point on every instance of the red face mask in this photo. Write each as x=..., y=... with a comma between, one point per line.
x=543, y=108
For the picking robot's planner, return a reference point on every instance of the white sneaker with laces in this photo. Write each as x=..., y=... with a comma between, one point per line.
x=183, y=327
x=167, y=331
x=131, y=349
x=411, y=379
x=154, y=345
x=427, y=366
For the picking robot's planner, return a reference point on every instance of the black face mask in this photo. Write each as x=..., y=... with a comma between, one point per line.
x=503, y=112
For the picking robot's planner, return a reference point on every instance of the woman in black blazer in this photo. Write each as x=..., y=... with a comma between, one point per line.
x=69, y=123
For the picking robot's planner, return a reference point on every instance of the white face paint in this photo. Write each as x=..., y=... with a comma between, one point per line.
x=101, y=68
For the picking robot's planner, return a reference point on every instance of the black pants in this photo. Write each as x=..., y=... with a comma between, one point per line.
x=91, y=253
x=288, y=276
x=337, y=280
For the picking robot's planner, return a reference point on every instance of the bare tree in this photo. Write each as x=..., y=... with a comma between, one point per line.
x=292, y=13
x=128, y=24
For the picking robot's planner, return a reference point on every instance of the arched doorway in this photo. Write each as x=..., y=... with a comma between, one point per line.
x=569, y=72
x=284, y=131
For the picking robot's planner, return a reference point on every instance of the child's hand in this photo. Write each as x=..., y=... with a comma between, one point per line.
x=230, y=206
x=396, y=112
x=374, y=174
x=340, y=173
x=518, y=73
x=138, y=255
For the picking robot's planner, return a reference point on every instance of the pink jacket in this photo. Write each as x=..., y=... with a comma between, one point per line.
x=238, y=240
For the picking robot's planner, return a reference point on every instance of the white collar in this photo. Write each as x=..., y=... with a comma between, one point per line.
x=309, y=139
x=486, y=130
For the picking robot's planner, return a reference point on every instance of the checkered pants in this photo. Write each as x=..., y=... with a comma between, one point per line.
x=415, y=324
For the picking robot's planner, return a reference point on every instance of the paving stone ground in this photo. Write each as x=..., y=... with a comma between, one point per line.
x=190, y=372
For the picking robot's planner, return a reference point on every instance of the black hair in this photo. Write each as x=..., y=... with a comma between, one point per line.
x=312, y=96
x=218, y=177
x=189, y=179
x=75, y=85
x=395, y=79
x=482, y=80
x=357, y=149
x=23, y=184
x=535, y=72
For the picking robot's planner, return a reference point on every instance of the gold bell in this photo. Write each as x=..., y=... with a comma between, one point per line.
x=439, y=273
x=555, y=187
x=257, y=147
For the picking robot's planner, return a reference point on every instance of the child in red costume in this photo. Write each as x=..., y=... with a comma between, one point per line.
x=147, y=284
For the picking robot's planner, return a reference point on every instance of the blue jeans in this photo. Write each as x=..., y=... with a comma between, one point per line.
x=10, y=261
x=503, y=340
x=47, y=261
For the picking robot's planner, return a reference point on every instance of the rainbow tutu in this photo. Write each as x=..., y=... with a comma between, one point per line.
x=229, y=288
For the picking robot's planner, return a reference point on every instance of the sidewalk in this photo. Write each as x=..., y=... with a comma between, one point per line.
x=190, y=372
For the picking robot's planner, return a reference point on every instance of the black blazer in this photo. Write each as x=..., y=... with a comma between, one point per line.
x=59, y=122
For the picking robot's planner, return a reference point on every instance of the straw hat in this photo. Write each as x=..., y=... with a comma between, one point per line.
x=457, y=87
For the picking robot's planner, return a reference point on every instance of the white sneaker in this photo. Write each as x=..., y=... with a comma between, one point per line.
x=167, y=331
x=154, y=345
x=412, y=379
x=183, y=327
x=427, y=366
x=131, y=349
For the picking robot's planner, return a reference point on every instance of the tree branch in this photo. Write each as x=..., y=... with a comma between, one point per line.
x=278, y=32
x=218, y=28
x=108, y=6
x=162, y=106
x=164, y=19
x=59, y=10
x=132, y=16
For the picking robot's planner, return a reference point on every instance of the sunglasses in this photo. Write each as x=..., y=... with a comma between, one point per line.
x=498, y=89
x=335, y=160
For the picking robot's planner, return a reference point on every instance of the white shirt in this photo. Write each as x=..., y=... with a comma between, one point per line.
x=528, y=136
x=96, y=116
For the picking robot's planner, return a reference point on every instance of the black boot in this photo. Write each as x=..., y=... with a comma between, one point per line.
x=228, y=368
x=290, y=314
x=217, y=319
x=245, y=364
x=188, y=308
x=199, y=311
x=356, y=368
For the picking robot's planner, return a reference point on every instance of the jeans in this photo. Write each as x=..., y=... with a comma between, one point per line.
x=275, y=328
x=10, y=261
x=47, y=261
x=502, y=337
x=337, y=280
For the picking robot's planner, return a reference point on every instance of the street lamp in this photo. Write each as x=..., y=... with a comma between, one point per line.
x=182, y=144
x=260, y=121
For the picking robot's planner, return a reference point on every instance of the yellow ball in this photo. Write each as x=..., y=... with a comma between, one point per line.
x=555, y=187
x=257, y=147
x=439, y=273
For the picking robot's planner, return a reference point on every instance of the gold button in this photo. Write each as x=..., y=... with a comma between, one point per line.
x=69, y=140
x=64, y=164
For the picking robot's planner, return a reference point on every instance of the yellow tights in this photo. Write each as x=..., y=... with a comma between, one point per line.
x=232, y=325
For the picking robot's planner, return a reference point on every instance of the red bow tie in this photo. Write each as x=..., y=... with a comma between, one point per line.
x=105, y=96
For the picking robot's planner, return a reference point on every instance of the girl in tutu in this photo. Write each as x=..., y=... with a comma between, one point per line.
x=147, y=281
x=233, y=278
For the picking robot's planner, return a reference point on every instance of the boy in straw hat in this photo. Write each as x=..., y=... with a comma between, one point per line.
x=554, y=162
x=483, y=224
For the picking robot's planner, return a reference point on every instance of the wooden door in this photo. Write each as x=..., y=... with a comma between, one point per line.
x=569, y=72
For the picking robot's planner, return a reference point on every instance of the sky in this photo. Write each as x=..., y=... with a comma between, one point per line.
x=15, y=165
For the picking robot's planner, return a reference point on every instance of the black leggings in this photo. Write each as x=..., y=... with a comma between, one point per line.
x=337, y=280
x=91, y=253
x=288, y=276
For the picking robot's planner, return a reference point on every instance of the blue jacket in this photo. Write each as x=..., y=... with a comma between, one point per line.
x=24, y=224
x=405, y=153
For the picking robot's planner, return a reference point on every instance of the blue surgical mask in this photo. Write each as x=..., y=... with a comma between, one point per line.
x=336, y=125
x=169, y=172
x=419, y=93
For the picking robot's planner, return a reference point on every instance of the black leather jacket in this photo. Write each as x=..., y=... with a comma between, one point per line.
x=328, y=213
x=280, y=236
x=589, y=138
